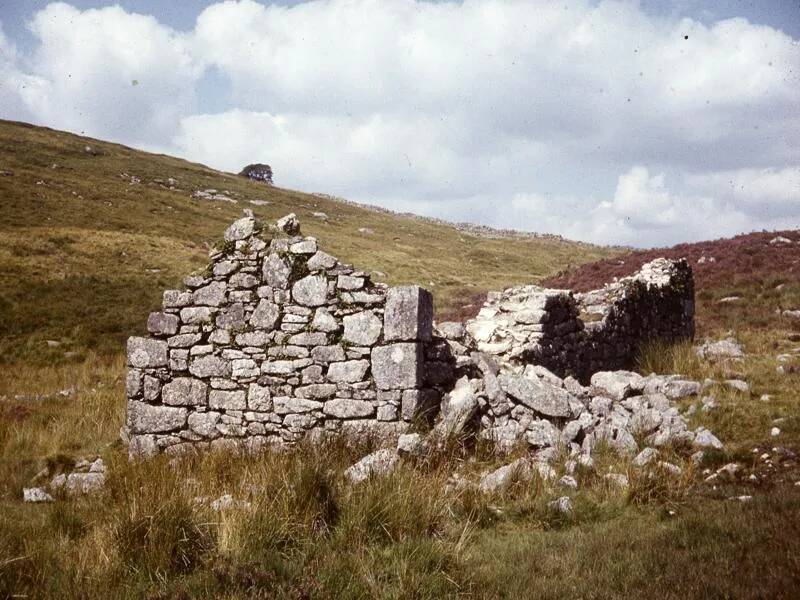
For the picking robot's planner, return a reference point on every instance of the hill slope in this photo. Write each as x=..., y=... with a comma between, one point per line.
x=725, y=263
x=92, y=232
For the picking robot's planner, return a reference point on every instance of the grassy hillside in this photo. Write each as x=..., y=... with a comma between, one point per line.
x=85, y=253
x=84, y=269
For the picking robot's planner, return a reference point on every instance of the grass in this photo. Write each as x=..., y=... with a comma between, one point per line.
x=95, y=251
x=83, y=272
x=306, y=533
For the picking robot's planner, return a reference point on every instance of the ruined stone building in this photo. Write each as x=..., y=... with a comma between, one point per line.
x=277, y=340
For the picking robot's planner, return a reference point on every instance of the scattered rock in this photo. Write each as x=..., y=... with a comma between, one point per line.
x=618, y=479
x=738, y=385
x=645, y=456
x=568, y=481
x=381, y=462
x=562, y=505
x=36, y=494
x=705, y=439
x=502, y=478
x=723, y=349
x=228, y=502
x=780, y=240
x=411, y=444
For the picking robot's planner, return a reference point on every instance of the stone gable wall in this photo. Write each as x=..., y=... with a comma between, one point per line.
x=581, y=334
x=277, y=340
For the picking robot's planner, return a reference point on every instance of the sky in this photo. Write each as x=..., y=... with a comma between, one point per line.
x=618, y=122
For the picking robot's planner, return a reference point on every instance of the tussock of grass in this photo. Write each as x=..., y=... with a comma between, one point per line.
x=657, y=356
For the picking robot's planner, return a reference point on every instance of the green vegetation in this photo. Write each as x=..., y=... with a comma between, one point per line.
x=81, y=278
x=85, y=253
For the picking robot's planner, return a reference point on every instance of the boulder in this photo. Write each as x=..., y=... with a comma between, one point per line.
x=35, y=494
x=723, y=349
x=411, y=444
x=502, y=478
x=459, y=408
x=562, y=505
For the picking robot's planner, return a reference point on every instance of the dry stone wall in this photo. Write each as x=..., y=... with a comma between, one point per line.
x=276, y=340
x=581, y=334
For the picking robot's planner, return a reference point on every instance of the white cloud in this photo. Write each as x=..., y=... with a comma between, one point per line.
x=592, y=120
x=758, y=192
x=111, y=73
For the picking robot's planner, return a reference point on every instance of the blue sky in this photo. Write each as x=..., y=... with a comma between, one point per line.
x=643, y=123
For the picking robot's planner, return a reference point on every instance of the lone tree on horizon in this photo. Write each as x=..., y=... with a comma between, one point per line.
x=258, y=172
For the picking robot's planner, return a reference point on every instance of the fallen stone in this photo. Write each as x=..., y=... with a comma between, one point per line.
x=618, y=479
x=568, y=481
x=617, y=384
x=500, y=479
x=723, y=349
x=705, y=439
x=459, y=408
x=35, y=494
x=562, y=505
x=540, y=396
x=645, y=456
x=738, y=385
x=411, y=444
x=379, y=463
